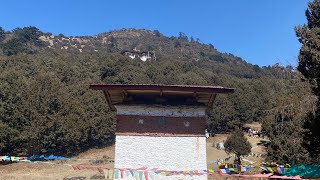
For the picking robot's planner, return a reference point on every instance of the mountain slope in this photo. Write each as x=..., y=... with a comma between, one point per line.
x=46, y=106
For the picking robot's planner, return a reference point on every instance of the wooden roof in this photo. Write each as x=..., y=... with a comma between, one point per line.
x=160, y=94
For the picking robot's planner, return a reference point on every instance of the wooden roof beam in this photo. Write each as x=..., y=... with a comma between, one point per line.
x=212, y=98
x=107, y=96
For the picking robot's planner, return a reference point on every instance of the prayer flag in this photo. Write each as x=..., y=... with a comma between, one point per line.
x=239, y=169
x=227, y=170
x=146, y=175
x=116, y=174
x=270, y=169
x=106, y=174
x=243, y=169
x=6, y=158
x=110, y=174
x=223, y=171
x=140, y=175
x=122, y=173
x=132, y=173
x=127, y=173
x=152, y=174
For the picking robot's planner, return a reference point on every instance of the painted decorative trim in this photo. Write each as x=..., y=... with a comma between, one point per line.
x=156, y=110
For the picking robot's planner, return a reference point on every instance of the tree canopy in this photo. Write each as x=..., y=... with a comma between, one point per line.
x=309, y=66
x=237, y=144
x=294, y=130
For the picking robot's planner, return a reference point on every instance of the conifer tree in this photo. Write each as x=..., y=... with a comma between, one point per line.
x=309, y=66
x=238, y=144
x=2, y=34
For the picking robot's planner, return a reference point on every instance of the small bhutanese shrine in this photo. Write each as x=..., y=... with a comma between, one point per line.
x=161, y=126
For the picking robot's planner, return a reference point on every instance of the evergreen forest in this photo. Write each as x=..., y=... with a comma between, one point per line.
x=46, y=105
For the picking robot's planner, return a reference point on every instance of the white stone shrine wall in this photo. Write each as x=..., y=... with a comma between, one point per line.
x=175, y=153
x=164, y=153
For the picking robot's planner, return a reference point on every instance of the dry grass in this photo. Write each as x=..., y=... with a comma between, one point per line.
x=93, y=157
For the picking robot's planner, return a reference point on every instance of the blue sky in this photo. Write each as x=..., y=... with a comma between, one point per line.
x=259, y=31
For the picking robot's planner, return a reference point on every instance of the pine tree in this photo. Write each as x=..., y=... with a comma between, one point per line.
x=2, y=34
x=286, y=142
x=309, y=66
x=309, y=37
x=238, y=144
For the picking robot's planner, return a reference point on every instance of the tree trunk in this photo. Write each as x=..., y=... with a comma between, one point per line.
x=238, y=161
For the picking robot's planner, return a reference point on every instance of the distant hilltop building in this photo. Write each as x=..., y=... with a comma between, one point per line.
x=143, y=55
